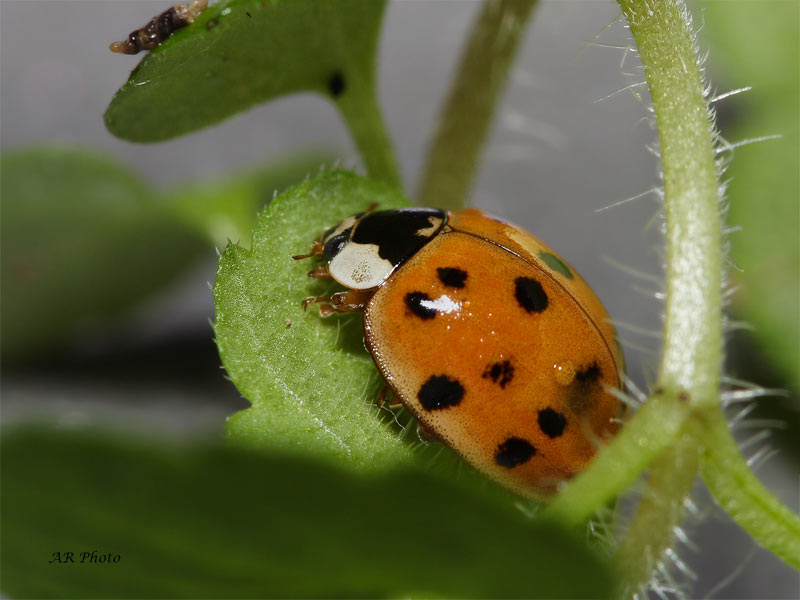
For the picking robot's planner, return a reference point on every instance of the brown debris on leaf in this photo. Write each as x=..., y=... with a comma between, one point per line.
x=159, y=28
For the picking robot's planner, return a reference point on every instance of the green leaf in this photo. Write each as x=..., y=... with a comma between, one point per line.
x=764, y=188
x=239, y=53
x=311, y=382
x=83, y=239
x=218, y=522
x=226, y=209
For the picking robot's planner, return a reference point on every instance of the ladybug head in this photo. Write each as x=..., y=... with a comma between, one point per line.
x=363, y=250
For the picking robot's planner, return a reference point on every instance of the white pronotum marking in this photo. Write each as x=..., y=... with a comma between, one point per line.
x=359, y=267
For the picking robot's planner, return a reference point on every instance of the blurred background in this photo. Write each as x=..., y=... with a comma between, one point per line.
x=568, y=143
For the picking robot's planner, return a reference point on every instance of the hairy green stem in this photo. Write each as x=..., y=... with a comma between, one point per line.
x=660, y=511
x=737, y=490
x=691, y=361
x=365, y=121
x=655, y=428
x=469, y=108
x=692, y=355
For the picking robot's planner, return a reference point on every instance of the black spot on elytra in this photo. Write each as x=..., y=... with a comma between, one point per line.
x=452, y=276
x=530, y=295
x=334, y=245
x=514, y=452
x=552, y=422
x=440, y=392
x=415, y=301
x=500, y=372
x=395, y=232
x=589, y=374
x=336, y=84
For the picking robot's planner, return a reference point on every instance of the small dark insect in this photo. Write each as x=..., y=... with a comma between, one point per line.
x=160, y=28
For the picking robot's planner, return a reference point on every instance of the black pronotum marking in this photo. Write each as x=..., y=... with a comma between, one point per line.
x=500, y=372
x=334, y=245
x=452, y=276
x=514, y=452
x=440, y=392
x=551, y=422
x=394, y=232
x=414, y=302
x=588, y=375
x=336, y=84
x=530, y=295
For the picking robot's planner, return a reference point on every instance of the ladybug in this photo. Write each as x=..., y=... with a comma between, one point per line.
x=494, y=343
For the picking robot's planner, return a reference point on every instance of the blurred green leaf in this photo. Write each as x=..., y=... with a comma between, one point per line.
x=226, y=209
x=239, y=53
x=217, y=522
x=83, y=239
x=243, y=52
x=310, y=380
x=764, y=188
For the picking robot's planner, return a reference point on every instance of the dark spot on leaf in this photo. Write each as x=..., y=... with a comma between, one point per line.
x=415, y=301
x=530, y=295
x=513, y=452
x=336, y=84
x=552, y=422
x=440, y=392
x=452, y=277
x=248, y=14
x=211, y=23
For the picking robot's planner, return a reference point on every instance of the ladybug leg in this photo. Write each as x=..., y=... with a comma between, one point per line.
x=312, y=299
x=320, y=273
x=426, y=434
x=371, y=208
x=316, y=250
x=340, y=302
x=392, y=402
x=382, y=396
x=351, y=300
